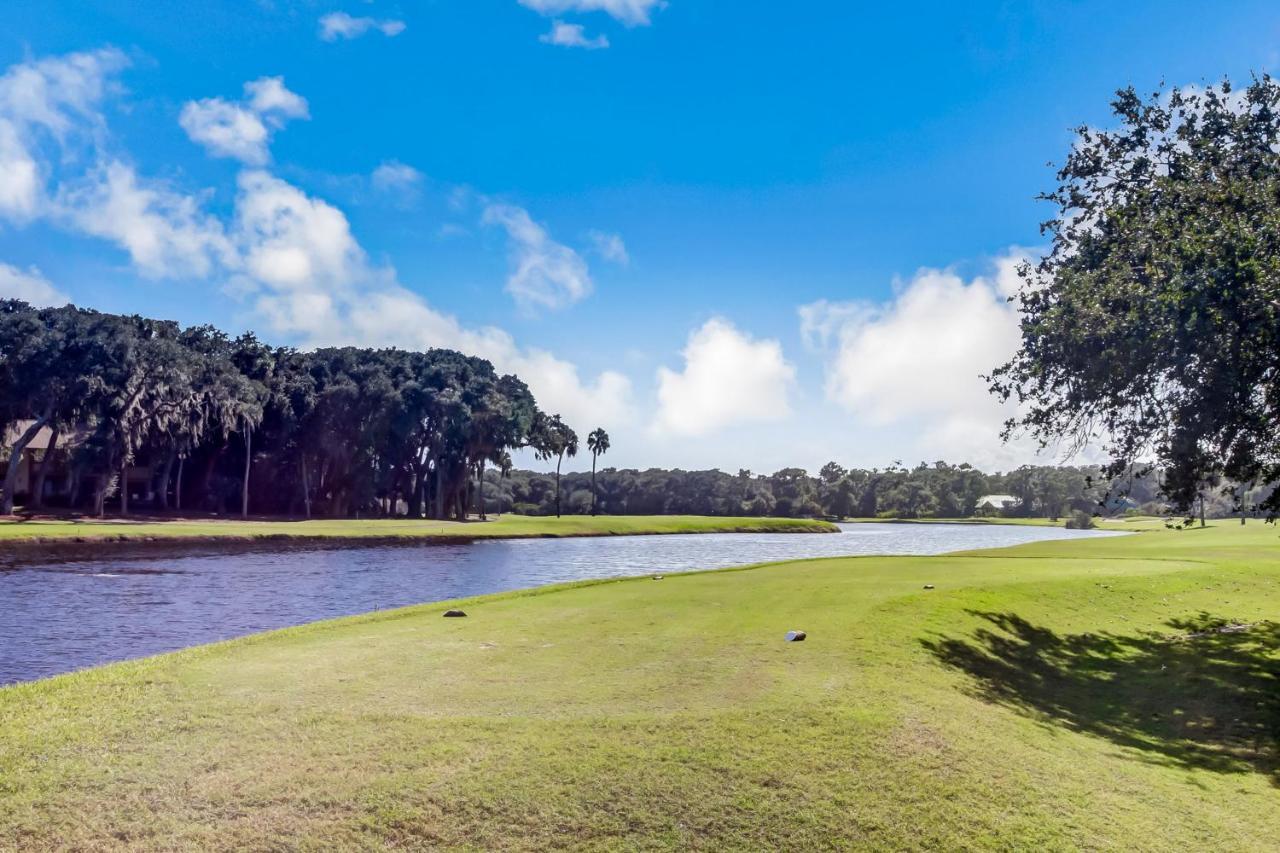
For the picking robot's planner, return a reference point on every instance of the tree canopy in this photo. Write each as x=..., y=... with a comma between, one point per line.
x=1152, y=325
x=340, y=430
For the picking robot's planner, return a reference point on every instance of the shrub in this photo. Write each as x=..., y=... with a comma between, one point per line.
x=1080, y=520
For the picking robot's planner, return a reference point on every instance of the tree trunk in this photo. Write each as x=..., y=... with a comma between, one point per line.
x=166, y=478
x=124, y=485
x=177, y=485
x=439, y=493
x=559, y=459
x=37, y=488
x=593, y=484
x=1202, y=510
x=306, y=488
x=248, y=460
x=482, y=513
x=15, y=459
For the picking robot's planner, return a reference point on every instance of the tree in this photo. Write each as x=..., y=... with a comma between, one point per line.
x=552, y=437
x=1152, y=325
x=598, y=444
x=51, y=364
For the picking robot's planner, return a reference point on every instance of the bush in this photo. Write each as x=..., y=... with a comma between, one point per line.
x=1080, y=520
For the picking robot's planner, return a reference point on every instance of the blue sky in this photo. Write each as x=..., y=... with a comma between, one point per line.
x=737, y=234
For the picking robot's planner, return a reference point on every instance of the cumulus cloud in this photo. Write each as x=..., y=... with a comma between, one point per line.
x=728, y=378
x=309, y=278
x=544, y=273
x=630, y=12
x=572, y=35
x=164, y=231
x=610, y=247
x=29, y=286
x=919, y=359
x=243, y=130
x=340, y=25
x=48, y=102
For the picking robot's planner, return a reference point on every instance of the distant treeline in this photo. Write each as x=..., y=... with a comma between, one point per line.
x=937, y=490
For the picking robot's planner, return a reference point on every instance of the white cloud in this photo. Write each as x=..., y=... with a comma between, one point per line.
x=610, y=247
x=164, y=231
x=918, y=360
x=29, y=286
x=630, y=12
x=243, y=130
x=311, y=279
x=48, y=101
x=572, y=35
x=399, y=180
x=291, y=241
x=728, y=378
x=268, y=96
x=19, y=176
x=544, y=273
x=340, y=25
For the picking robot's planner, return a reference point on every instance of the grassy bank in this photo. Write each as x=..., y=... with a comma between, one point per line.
x=1110, y=693
x=508, y=526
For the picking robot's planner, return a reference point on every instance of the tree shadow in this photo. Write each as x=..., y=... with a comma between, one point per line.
x=1206, y=695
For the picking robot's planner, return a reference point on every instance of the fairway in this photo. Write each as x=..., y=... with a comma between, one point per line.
x=504, y=527
x=1062, y=695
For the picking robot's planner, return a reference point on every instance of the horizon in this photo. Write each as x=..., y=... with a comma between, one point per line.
x=614, y=200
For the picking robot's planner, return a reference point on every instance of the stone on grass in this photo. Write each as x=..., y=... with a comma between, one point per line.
x=928, y=586
x=454, y=613
x=796, y=636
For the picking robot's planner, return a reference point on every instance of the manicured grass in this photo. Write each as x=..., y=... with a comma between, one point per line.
x=510, y=526
x=1061, y=695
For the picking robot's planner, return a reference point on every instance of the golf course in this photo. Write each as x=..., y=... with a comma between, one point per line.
x=1103, y=693
x=46, y=531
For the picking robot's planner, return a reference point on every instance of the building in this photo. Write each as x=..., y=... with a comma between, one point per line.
x=993, y=504
x=61, y=479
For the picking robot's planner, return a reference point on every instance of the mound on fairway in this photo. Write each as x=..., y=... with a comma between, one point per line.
x=1111, y=693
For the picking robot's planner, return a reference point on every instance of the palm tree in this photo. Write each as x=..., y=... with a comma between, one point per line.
x=598, y=444
x=550, y=436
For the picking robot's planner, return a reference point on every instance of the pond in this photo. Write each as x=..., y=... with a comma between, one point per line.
x=64, y=615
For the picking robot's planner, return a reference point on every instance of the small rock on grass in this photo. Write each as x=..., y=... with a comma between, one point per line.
x=454, y=613
x=796, y=636
x=928, y=586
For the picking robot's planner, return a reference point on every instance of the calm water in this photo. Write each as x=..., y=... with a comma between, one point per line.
x=61, y=616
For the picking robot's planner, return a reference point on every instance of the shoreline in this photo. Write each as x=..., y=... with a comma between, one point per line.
x=354, y=534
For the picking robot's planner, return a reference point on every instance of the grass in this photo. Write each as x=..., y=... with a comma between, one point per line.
x=1108, y=693
x=40, y=530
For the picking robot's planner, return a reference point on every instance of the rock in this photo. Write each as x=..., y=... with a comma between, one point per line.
x=796, y=636
x=928, y=586
x=454, y=613
x=657, y=577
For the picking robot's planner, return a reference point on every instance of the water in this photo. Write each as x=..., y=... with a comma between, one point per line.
x=70, y=614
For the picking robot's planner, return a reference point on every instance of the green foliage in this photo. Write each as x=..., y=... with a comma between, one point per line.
x=1152, y=324
x=343, y=430
x=1080, y=520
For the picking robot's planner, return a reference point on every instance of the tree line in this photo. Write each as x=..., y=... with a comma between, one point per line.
x=222, y=424
x=937, y=490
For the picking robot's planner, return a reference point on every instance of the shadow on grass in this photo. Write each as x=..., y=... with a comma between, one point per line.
x=1206, y=695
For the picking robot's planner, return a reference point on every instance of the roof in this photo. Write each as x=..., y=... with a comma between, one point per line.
x=998, y=501
x=42, y=438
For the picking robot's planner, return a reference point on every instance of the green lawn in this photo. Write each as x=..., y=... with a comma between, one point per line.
x=1064, y=695
x=509, y=526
